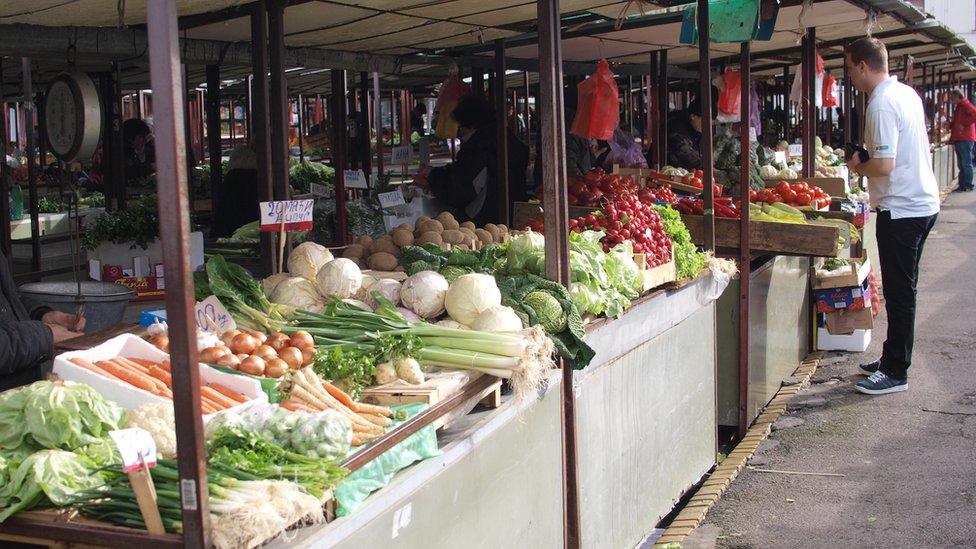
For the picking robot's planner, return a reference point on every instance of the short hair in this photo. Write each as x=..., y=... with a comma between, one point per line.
x=133, y=128
x=957, y=93
x=870, y=50
x=473, y=111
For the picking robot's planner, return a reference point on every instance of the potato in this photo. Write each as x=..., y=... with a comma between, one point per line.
x=452, y=236
x=382, y=261
x=484, y=236
x=430, y=237
x=496, y=235
x=448, y=221
x=469, y=225
x=421, y=219
x=402, y=237
x=432, y=225
x=399, y=269
x=353, y=251
x=404, y=226
x=503, y=229
x=384, y=244
x=365, y=242
x=472, y=241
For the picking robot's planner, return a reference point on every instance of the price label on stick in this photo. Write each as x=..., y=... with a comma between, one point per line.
x=391, y=199
x=295, y=215
x=212, y=316
x=136, y=446
x=354, y=179
x=400, y=155
x=319, y=190
x=796, y=149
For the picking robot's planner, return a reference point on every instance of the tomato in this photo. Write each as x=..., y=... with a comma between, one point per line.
x=699, y=174
x=753, y=195
x=783, y=187
x=573, y=200
x=803, y=198
x=789, y=196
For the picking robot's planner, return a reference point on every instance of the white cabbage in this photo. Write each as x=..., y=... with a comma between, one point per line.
x=388, y=288
x=497, y=319
x=424, y=293
x=299, y=293
x=470, y=295
x=339, y=278
x=307, y=258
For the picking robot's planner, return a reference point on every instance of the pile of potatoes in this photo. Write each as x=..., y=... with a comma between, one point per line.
x=380, y=254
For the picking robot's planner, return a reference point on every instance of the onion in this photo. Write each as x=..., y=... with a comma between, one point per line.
x=160, y=341
x=253, y=365
x=229, y=361
x=259, y=336
x=241, y=356
x=243, y=343
x=212, y=355
x=277, y=341
x=276, y=368
x=229, y=336
x=293, y=356
x=266, y=352
x=302, y=339
x=308, y=356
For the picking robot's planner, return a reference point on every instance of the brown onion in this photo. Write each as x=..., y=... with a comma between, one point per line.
x=308, y=356
x=293, y=356
x=243, y=343
x=277, y=341
x=212, y=355
x=253, y=365
x=229, y=336
x=302, y=339
x=229, y=361
x=260, y=337
x=265, y=352
x=276, y=368
x=160, y=341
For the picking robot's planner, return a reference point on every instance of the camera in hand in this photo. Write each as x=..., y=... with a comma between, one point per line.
x=862, y=153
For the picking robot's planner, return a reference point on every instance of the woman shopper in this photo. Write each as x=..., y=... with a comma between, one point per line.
x=905, y=193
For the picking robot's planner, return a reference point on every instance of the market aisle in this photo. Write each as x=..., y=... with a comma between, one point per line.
x=908, y=459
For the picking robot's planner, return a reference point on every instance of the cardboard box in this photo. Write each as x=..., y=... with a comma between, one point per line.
x=849, y=299
x=856, y=341
x=850, y=276
x=846, y=322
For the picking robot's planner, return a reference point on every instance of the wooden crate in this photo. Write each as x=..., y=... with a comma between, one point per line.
x=438, y=386
x=656, y=276
x=778, y=238
x=641, y=173
x=833, y=186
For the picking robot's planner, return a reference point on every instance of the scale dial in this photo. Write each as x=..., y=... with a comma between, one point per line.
x=72, y=117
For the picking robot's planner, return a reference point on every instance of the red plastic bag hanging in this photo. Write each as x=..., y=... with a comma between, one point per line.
x=829, y=92
x=729, y=98
x=598, y=112
x=452, y=90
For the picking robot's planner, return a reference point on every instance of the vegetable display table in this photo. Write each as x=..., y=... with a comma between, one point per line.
x=777, y=238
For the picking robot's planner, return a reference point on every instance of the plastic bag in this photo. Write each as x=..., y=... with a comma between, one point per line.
x=729, y=99
x=452, y=90
x=599, y=105
x=625, y=152
x=796, y=92
x=829, y=92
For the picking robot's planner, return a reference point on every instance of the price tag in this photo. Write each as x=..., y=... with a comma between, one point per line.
x=354, y=179
x=796, y=149
x=296, y=215
x=391, y=199
x=319, y=190
x=780, y=156
x=752, y=134
x=211, y=316
x=400, y=155
x=136, y=446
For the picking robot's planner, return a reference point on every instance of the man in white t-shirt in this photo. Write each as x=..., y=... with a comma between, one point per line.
x=905, y=194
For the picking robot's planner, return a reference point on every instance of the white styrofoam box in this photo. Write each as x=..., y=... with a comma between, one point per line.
x=856, y=342
x=129, y=397
x=108, y=253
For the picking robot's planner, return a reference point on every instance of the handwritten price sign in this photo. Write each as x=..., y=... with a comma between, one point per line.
x=136, y=446
x=212, y=316
x=296, y=215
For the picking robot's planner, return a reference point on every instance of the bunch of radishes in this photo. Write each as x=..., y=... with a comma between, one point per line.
x=628, y=218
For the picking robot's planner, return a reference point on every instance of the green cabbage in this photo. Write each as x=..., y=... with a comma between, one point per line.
x=624, y=273
x=53, y=475
x=524, y=251
x=548, y=311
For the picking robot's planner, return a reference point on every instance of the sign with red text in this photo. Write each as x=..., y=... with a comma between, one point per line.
x=295, y=215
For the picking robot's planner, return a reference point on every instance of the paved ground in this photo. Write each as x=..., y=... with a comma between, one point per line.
x=908, y=460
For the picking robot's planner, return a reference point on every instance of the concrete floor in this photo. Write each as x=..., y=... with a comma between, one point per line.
x=908, y=460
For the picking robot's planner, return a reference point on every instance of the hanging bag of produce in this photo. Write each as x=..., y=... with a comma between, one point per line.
x=452, y=90
x=599, y=105
x=796, y=92
x=829, y=92
x=729, y=98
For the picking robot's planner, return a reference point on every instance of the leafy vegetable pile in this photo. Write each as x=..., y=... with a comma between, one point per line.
x=451, y=264
x=688, y=260
x=138, y=224
x=302, y=174
x=240, y=293
x=325, y=435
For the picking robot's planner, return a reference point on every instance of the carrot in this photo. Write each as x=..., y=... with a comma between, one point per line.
x=217, y=398
x=162, y=375
x=377, y=420
x=132, y=378
x=364, y=408
x=356, y=441
x=314, y=384
x=166, y=392
x=80, y=362
x=228, y=392
x=122, y=364
x=165, y=365
x=206, y=407
x=131, y=364
x=144, y=362
x=339, y=395
x=295, y=406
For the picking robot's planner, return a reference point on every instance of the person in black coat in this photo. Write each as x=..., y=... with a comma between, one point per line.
x=27, y=338
x=237, y=195
x=469, y=185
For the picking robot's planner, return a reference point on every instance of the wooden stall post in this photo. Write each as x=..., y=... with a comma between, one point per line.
x=808, y=102
x=847, y=105
x=705, y=98
x=114, y=146
x=478, y=81
x=745, y=254
x=35, y=220
x=663, y=107
x=339, y=150
x=5, y=241
x=652, y=102
x=362, y=126
x=174, y=218
x=786, y=102
x=213, y=135
x=501, y=133
x=259, y=126
x=528, y=111
x=378, y=122
x=278, y=105
x=301, y=128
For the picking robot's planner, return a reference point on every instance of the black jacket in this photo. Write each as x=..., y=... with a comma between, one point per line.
x=453, y=185
x=24, y=343
x=684, y=142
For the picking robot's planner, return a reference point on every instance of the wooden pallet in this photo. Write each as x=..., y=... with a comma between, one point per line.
x=778, y=238
x=438, y=386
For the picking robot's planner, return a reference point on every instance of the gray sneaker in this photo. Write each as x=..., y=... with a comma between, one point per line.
x=870, y=367
x=880, y=383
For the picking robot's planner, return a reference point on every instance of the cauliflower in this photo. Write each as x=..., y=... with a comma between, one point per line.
x=157, y=418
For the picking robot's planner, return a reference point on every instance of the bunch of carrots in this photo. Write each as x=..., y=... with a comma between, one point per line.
x=155, y=378
x=307, y=392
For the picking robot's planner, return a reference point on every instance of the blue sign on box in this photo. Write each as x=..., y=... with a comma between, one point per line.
x=148, y=318
x=852, y=298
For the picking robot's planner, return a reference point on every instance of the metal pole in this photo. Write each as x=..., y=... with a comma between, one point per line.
x=5, y=242
x=847, y=105
x=339, y=149
x=663, y=107
x=378, y=122
x=478, y=81
x=362, y=125
x=809, y=100
x=653, y=111
x=35, y=221
x=213, y=135
x=501, y=134
x=278, y=104
x=744, y=252
x=786, y=102
x=260, y=124
x=301, y=128
x=405, y=108
x=705, y=98
x=174, y=217
x=528, y=112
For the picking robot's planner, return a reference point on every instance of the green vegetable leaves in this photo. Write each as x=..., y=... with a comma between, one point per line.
x=138, y=224
x=688, y=260
x=53, y=474
x=354, y=368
